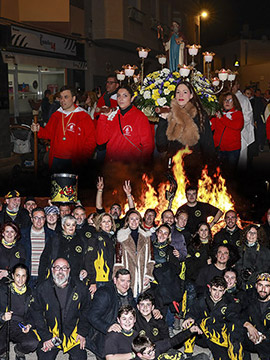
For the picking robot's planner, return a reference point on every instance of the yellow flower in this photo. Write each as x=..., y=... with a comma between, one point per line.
x=176, y=74
x=171, y=87
x=152, y=86
x=136, y=93
x=156, y=103
x=155, y=96
x=167, y=83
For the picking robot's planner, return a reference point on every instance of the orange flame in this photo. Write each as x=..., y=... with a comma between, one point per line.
x=212, y=191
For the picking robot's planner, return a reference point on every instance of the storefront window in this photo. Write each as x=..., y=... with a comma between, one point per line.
x=28, y=82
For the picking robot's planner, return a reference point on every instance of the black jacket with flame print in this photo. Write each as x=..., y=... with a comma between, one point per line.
x=46, y=312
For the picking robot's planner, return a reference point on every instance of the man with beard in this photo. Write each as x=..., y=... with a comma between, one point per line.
x=12, y=211
x=257, y=316
x=115, y=209
x=60, y=309
x=230, y=235
x=82, y=226
x=198, y=211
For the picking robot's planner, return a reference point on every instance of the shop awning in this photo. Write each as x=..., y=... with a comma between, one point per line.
x=25, y=59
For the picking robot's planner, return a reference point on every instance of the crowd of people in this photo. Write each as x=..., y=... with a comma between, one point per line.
x=131, y=287
x=109, y=127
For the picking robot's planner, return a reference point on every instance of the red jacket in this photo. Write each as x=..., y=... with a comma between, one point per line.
x=233, y=122
x=137, y=143
x=80, y=140
x=268, y=128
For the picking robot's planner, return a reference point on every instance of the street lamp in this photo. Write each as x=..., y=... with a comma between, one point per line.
x=203, y=14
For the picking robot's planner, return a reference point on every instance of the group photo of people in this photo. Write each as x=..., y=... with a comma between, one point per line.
x=122, y=285
x=134, y=181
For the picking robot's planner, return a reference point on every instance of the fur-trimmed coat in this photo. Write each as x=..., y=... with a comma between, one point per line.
x=183, y=128
x=139, y=261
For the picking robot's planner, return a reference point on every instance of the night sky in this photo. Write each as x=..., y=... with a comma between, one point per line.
x=226, y=19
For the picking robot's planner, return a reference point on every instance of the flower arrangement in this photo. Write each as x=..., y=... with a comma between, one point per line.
x=158, y=90
x=205, y=91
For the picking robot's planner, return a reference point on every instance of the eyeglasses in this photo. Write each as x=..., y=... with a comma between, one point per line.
x=39, y=218
x=150, y=351
x=111, y=82
x=228, y=100
x=63, y=268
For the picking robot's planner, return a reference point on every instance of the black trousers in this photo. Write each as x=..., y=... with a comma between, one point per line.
x=26, y=343
x=262, y=349
x=74, y=354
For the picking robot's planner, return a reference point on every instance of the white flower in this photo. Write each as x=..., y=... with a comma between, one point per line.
x=147, y=94
x=171, y=79
x=166, y=91
x=165, y=71
x=158, y=81
x=161, y=101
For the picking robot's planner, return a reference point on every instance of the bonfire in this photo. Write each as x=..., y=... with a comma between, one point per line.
x=211, y=190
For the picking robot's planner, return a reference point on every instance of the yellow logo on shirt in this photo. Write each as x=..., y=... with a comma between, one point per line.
x=17, y=254
x=198, y=213
x=75, y=296
x=78, y=249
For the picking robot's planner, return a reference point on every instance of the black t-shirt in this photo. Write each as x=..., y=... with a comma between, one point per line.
x=206, y=274
x=118, y=343
x=198, y=214
x=18, y=306
x=61, y=294
x=155, y=329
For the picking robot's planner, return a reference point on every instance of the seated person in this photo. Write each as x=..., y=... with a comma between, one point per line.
x=146, y=324
x=119, y=337
x=217, y=314
x=17, y=314
x=145, y=349
x=257, y=318
x=118, y=343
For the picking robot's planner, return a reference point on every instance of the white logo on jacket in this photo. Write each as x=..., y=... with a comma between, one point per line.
x=127, y=130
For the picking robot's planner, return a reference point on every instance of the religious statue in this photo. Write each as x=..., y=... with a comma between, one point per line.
x=175, y=47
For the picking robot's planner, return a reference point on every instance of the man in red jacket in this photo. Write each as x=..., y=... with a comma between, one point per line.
x=71, y=132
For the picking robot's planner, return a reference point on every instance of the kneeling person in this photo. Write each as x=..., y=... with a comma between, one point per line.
x=17, y=314
x=146, y=324
x=120, y=336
